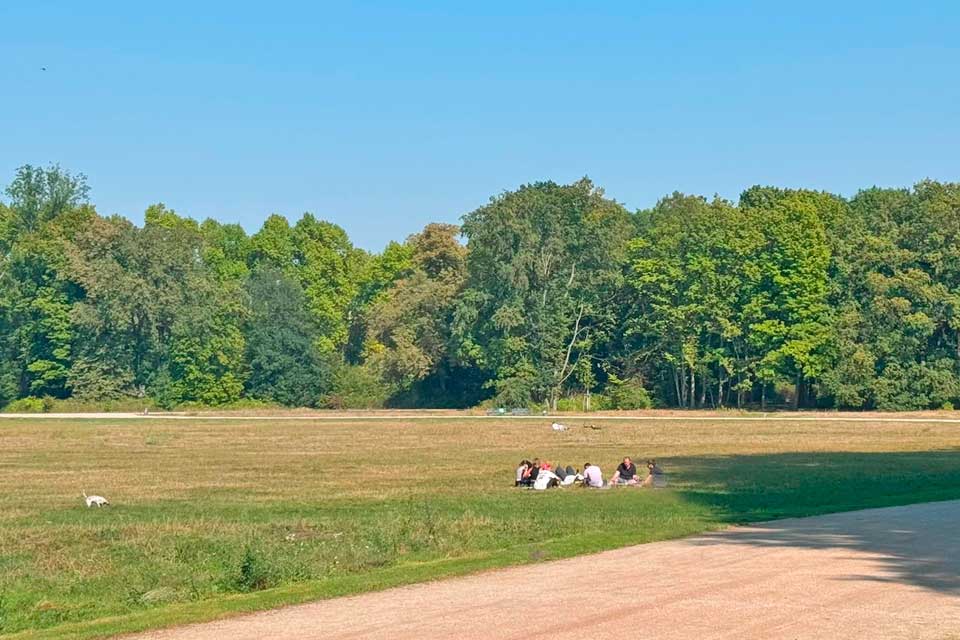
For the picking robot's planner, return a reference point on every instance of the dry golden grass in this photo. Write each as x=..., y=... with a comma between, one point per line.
x=203, y=508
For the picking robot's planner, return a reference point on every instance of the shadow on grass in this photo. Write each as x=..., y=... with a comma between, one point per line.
x=915, y=545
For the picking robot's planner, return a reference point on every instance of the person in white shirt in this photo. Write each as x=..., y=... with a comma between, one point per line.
x=592, y=476
x=522, y=472
x=546, y=478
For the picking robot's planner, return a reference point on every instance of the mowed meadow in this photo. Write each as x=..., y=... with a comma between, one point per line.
x=212, y=517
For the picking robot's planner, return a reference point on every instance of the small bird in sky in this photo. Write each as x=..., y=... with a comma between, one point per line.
x=43, y=68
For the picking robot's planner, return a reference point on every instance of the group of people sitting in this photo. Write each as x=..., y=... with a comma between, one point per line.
x=542, y=475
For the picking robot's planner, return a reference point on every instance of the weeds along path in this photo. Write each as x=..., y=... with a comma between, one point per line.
x=880, y=574
x=697, y=416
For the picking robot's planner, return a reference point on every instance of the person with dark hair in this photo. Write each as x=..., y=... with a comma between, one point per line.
x=656, y=478
x=532, y=472
x=523, y=470
x=592, y=476
x=626, y=473
x=528, y=473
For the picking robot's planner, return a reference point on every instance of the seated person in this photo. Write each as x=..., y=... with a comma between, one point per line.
x=530, y=474
x=592, y=476
x=523, y=472
x=626, y=473
x=655, y=476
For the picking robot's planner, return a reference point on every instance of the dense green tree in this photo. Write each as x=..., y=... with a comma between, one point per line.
x=381, y=271
x=38, y=196
x=273, y=244
x=794, y=264
x=149, y=314
x=694, y=291
x=46, y=208
x=207, y=351
x=898, y=290
x=226, y=251
x=544, y=261
x=285, y=366
x=788, y=297
x=329, y=267
x=409, y=340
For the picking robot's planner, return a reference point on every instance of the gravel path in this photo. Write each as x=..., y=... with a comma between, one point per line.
x=878, y=574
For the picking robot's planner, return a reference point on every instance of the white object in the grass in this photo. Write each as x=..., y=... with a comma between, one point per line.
x=98, y=501
x=556, y=426
x=544, y=478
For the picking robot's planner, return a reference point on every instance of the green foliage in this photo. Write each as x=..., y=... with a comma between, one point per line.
x=252, y=575
x=542, y=263
x=787, y=297
x=39, y=196
x=408, y=336
x=26, y=405
x=356, y=387
x=46, y=210
x=917, y=386
x=695, y=296
x=206, y=361
x=281, y=353
x=626, y=394
x=329, y=268
x=78, y=405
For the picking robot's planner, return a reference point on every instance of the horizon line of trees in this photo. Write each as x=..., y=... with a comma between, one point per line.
x=559, y=297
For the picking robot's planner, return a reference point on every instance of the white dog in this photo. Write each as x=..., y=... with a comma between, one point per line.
x=95, y=500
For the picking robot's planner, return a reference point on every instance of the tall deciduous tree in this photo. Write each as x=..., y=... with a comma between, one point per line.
x=46, y=208
x=694, y=292
x=793, y=333
x=285, y=366
x=409, y=340
x=544, y=262
x=152, y=316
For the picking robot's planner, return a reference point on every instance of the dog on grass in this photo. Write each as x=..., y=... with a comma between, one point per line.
x=98, y=501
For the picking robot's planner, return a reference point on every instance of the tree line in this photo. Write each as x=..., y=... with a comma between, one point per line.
x=550, y=296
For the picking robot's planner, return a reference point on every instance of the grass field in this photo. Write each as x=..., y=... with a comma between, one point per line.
x=216, y=517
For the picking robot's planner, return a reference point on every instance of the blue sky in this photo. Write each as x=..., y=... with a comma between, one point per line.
x=383, y=117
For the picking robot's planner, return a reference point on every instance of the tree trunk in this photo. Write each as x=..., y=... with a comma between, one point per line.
x=567, y=369
x=797, y=390
x=693, y=387
x=676, y=385
x=683, y=385
x=763, y=396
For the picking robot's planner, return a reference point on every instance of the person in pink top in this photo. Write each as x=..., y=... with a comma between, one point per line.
x=592, y=476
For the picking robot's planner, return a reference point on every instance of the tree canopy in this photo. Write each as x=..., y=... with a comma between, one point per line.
x=550, y=295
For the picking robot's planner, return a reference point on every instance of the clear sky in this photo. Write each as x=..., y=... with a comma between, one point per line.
x=383, y=117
